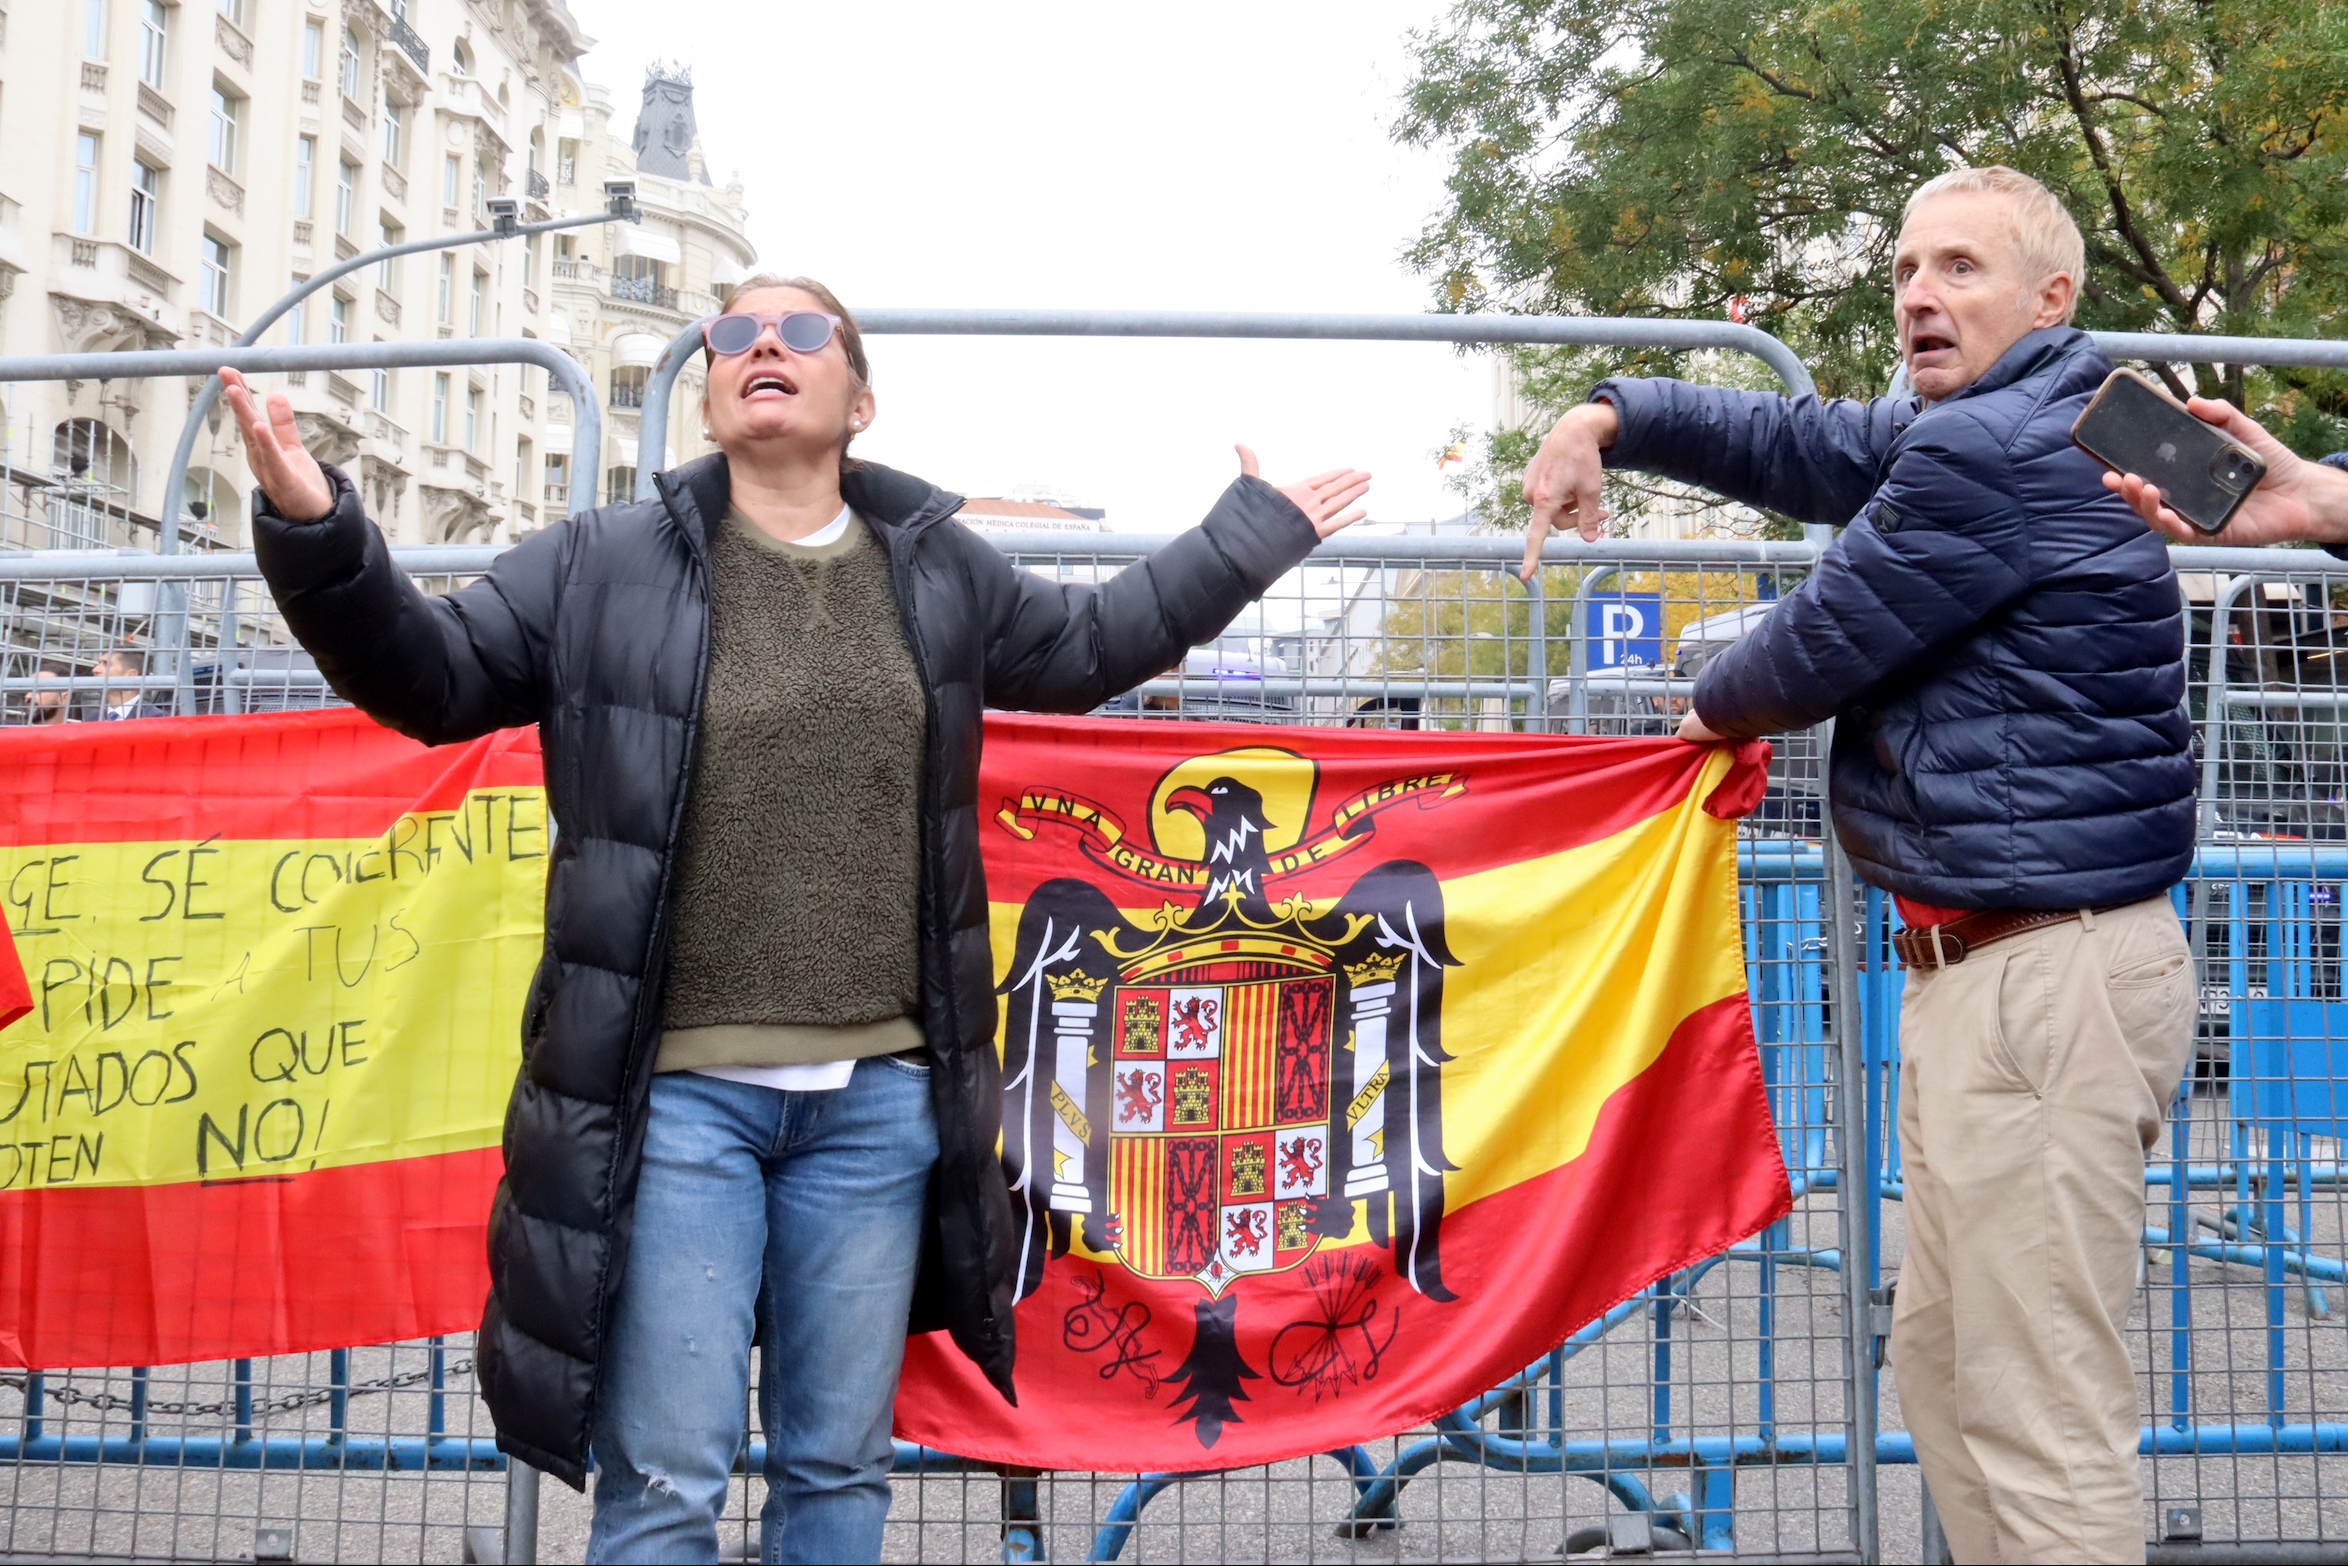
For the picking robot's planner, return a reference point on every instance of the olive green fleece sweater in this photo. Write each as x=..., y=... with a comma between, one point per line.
x=798, y=883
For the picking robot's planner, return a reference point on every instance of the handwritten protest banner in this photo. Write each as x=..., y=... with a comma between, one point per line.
x=273, y=970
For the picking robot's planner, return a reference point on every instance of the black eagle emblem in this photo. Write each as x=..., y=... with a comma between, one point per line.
x=1212, y=1091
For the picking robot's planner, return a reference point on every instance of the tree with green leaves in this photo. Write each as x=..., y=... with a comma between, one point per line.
x=1714, y=158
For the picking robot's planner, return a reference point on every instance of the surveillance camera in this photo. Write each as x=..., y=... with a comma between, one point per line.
x=619, y=199
x=505, y=214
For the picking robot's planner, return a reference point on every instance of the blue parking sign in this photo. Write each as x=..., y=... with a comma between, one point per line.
x=1625, y=631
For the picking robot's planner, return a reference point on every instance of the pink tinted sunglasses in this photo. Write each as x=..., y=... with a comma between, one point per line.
x=801, y=331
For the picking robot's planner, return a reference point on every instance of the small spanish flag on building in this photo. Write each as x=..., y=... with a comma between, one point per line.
x=273, y=971
x=1345, y=1074
x=1454, y=455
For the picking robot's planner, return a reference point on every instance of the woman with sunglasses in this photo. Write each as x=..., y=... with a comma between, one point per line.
x=759, y=1093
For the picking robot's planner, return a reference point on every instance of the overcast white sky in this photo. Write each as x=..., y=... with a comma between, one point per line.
x=1210, y=156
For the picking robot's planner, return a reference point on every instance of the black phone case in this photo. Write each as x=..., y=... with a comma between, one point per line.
x=2132, y=426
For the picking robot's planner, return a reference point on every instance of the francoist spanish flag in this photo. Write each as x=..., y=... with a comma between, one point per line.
x=273, y=972
x=1345, y=1074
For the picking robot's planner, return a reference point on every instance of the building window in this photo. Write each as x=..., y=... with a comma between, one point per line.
x=558, y=477
x=440, y=410
x=297, y=323
x=85, y=183
x=227, y=109
x=350, y=62
x=379, y=391
x=313, y=50
x=154, y=34
x=460, y=59
x=627, y=385
x=305, y=174
x=480, y=191
x=234, y=10
x=566, y=162
x=450, y=173
x=522, y=464
x=472, y=418
x=473, y=307
x=388, y=234
x=94, y=29
x=444, y=301
x=146, y=192
x=529, y=260
x=619, y=485
x=395, y=133
x=219, y=256
x=338, y=320
x=346, y=195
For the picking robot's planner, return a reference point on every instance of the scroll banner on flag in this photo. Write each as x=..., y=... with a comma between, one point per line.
x=273, y=970
x=1346, y=1073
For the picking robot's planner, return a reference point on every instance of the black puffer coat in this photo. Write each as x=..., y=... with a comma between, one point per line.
x=597, y=631
x=1998, y=636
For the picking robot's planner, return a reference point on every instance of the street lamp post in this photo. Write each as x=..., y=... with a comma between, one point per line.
x=619, y=207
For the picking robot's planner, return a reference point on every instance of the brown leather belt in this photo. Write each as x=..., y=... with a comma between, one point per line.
x=1946, y=945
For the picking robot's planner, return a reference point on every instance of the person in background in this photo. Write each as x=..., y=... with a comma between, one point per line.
x=759, y=1093
x=2299, y=501
x=125, y=671
x=54, y=705
x=2001, y=647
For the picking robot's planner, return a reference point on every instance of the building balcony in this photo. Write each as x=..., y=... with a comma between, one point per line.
x=539, y=188
x=411, y=45
x=464, y=97
x=387, y=440
x=626, y=396
x=643, y=290
x=107, y=296
x=570, y=271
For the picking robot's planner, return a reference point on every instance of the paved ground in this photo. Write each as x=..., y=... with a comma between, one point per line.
x=1290, y=1512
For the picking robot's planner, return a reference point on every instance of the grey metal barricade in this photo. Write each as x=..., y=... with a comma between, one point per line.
x=1734, y=1406
x=199, y=636
x=1714, y=1407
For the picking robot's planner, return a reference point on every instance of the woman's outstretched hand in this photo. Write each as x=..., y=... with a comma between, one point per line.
x=285, y=470
x=1322, y=496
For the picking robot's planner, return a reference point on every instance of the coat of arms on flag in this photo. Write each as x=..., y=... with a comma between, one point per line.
x=1338, y=1067
x=1213, y=1091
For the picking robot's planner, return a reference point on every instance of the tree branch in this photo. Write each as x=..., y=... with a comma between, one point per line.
x=2123, y=216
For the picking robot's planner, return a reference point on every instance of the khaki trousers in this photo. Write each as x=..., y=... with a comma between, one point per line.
x=2034, y=1079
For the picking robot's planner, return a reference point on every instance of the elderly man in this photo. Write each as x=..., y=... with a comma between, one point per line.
x=1998, y=639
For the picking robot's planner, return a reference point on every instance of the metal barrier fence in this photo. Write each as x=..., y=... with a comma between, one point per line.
x=1713, y=1408
x=1731, y=1408
x=1717, y=1409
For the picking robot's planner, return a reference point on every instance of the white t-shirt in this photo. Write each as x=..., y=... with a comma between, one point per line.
x=822, y=1076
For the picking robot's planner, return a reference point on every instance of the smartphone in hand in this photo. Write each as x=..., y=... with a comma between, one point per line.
x=2133, y=426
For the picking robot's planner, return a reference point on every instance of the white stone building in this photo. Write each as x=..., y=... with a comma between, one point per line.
x=621, y=293
x=174, y=166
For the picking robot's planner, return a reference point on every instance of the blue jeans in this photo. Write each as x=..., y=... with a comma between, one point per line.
x=800, y=1213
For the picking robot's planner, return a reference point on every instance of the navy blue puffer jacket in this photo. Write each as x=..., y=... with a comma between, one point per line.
x=1998, y=636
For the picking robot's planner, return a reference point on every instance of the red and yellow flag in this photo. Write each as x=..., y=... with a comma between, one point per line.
x=273, y=969
x=1345, y=1074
